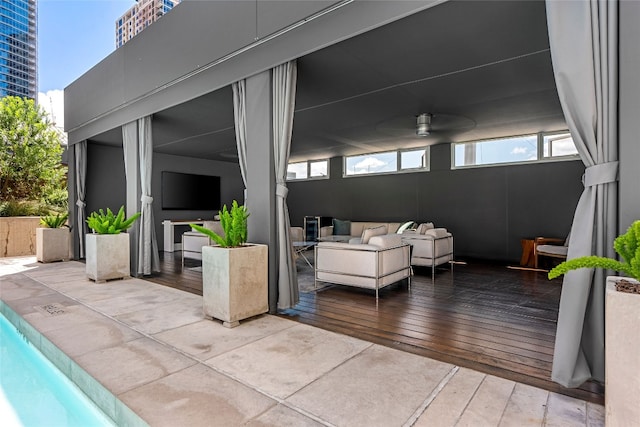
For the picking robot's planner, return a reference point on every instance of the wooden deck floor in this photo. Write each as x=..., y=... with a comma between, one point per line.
x=486, y=317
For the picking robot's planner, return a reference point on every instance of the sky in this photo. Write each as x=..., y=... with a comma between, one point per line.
x=73, y=36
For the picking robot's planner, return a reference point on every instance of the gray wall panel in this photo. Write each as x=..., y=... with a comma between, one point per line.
x=488, y=209
x=106, y=186
x=171, y=47
x=231, y=188
x=106, y=113
x=278, y=14
x=99, y=89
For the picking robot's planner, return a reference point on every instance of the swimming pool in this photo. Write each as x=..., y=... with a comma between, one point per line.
x=33, y=392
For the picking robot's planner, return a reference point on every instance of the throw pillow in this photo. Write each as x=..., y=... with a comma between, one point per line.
x=422, y=228
x=374, y=231
x=341, y=227
x=406, y=226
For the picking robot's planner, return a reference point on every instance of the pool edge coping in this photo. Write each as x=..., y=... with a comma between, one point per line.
x=105, y=400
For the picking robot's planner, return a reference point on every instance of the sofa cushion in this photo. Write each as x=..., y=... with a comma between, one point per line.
x=386, y=241
x=437, y=232
x=371, y=232
x=422, y=228
x=341, y=227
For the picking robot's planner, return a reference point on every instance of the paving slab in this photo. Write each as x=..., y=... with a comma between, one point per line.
x=286, y=361
x=132, y=364
x=447, y=407
x=206, y=338
x=565, y=411
x=488, y=403
x=91, y=336
x=378, y=387
x=282, y=416
x=526, y=407
x=162, y=316
x=196, y=396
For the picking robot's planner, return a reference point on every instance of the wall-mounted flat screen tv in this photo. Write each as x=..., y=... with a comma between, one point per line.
x=187, y=191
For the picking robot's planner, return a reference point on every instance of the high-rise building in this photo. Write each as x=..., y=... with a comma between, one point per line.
x=18, y=48
x=139, y=17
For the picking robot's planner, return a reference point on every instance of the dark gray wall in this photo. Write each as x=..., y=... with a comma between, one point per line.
x=487, y=209
x=231, y=187
x=106, y=186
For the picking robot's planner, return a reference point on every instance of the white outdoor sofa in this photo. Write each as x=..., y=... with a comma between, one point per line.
x=381, y=261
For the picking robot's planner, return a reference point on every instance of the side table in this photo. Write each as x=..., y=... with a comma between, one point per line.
x=528, y=258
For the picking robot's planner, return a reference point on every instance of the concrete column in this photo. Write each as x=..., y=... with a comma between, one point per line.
x=133, y=204
x=261, y=182
x=629, y=111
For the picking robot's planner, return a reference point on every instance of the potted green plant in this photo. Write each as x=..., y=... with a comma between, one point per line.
x=52, y=240
x=234, y=272
x=622, y=340
x=107, y=248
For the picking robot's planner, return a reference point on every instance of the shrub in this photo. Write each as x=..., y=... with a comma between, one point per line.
x=233, y=223
x=54, y=221
x=24, y=208
x=108, y=223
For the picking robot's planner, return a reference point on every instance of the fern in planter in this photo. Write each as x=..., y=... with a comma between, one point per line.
x=234, y=224
x=54, y=221
x=108, y=223
x=627, y=245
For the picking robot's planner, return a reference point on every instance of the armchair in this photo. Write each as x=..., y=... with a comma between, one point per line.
x=433, y=248
x=193, y=241
x=550, y=247
x=382, y=261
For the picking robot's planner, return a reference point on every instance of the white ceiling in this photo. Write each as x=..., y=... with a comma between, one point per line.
x=486, y=62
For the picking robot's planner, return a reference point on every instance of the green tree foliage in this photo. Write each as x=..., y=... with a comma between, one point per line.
x=30, y=154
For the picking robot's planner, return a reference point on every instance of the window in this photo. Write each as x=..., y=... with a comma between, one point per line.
x=558, y=145
x=387, y=162
x=413, y=159
x=313, y=169
x=512, y=150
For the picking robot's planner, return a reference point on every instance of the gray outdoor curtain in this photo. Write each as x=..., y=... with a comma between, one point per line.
x=80, y=157
x=583, y=41
x=240, y=119
x=284, y=97
x=148, y=258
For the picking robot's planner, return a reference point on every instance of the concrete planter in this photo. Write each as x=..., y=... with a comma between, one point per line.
x=18, y=235
x=107, y=256
x=235, y=282
x=52, y=244
x=622, y=356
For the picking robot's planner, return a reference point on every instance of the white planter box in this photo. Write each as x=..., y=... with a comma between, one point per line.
x=622, y=356
x=235, y=282
x=52, y=244
x=107, y=256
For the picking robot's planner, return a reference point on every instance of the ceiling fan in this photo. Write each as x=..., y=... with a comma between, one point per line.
x=425, y=124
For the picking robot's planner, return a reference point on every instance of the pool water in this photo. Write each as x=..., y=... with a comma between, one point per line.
x=33, y=392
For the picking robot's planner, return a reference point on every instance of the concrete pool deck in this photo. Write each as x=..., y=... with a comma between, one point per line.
x=149, y=346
